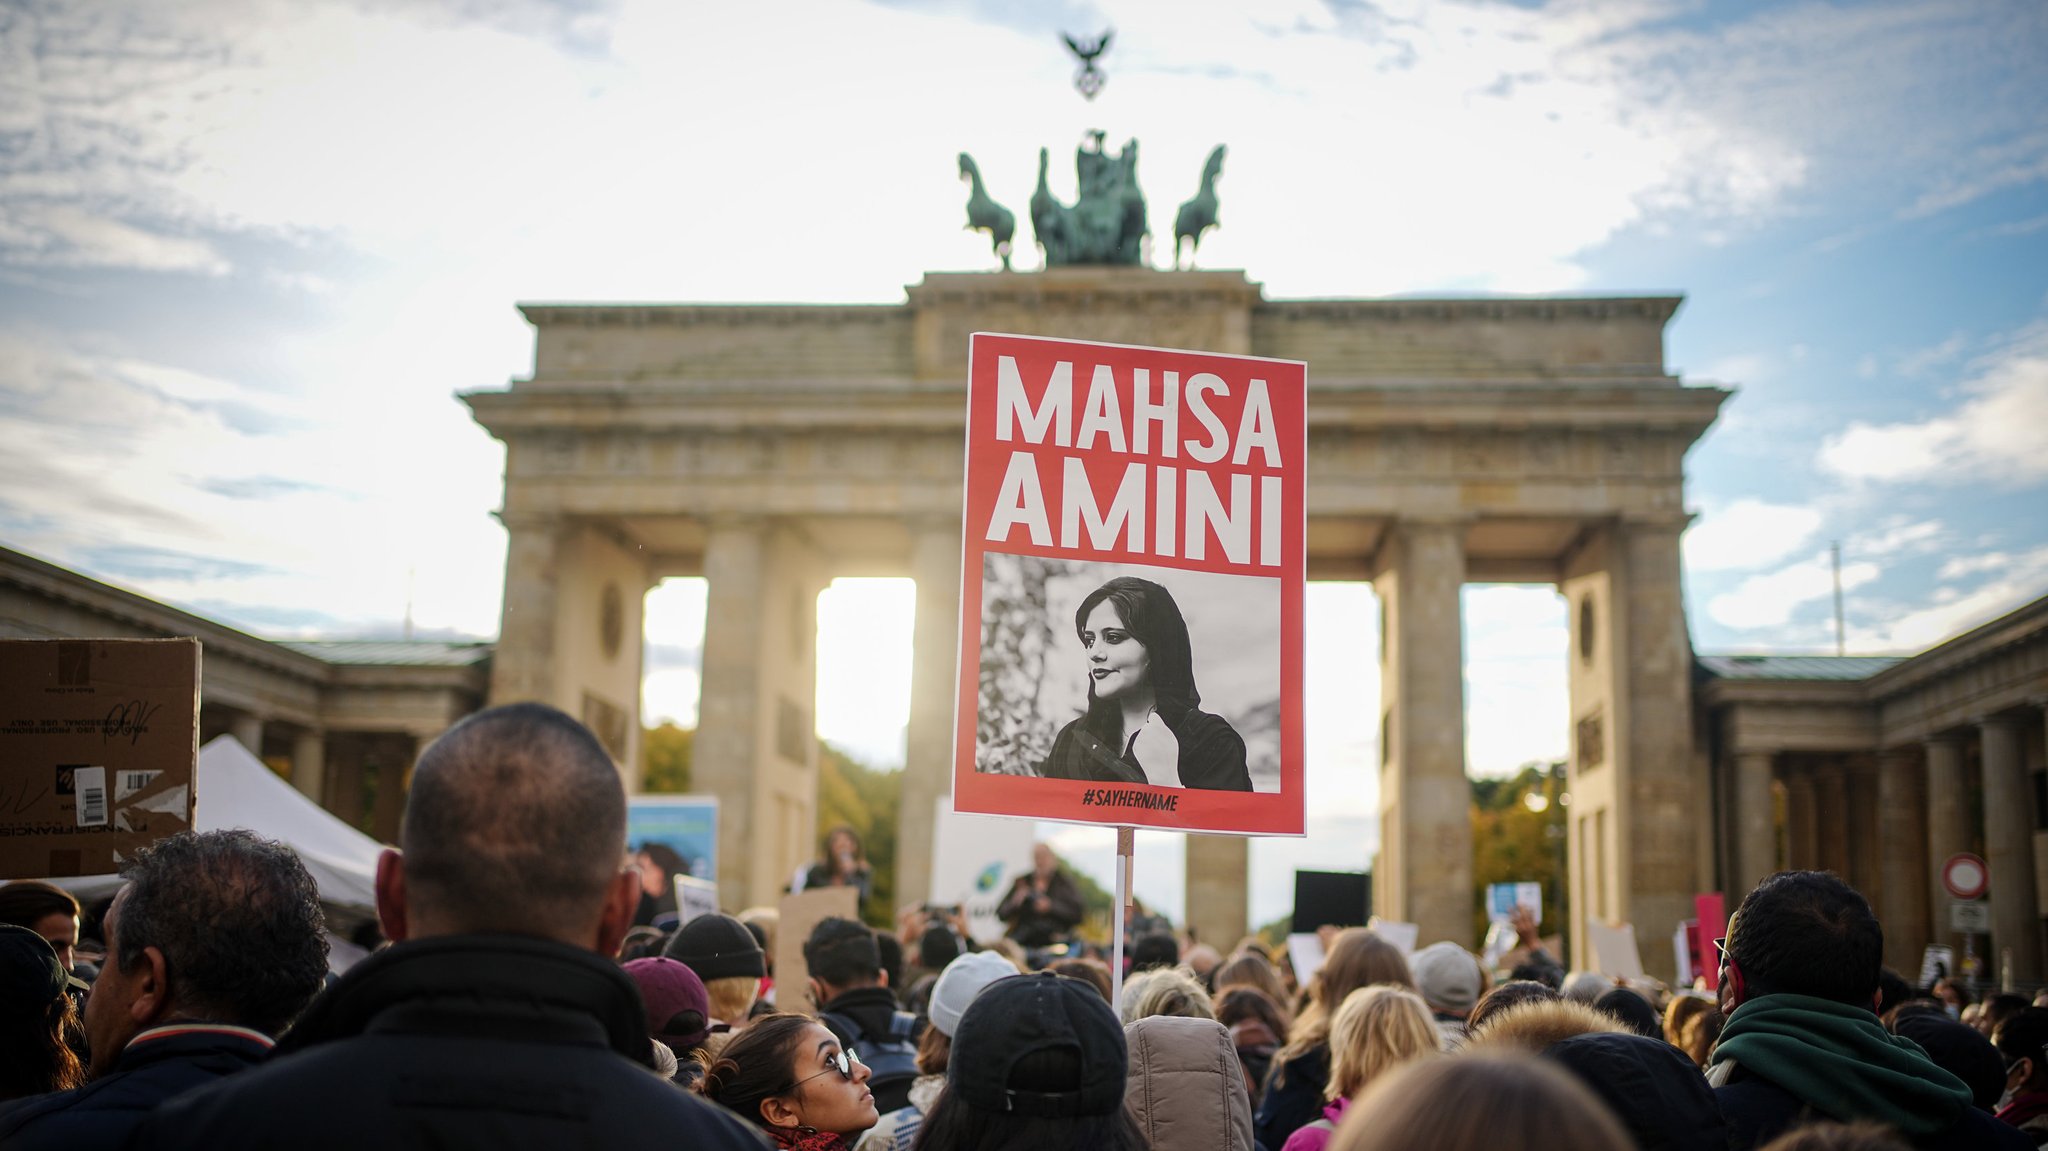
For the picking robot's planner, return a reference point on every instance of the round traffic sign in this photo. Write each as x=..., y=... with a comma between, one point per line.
x=1965, y=875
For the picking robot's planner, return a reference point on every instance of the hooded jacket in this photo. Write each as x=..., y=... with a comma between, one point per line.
x=1788, y=1060
x=1535, y=1025
x=472, y=1041
x=1185, y=1088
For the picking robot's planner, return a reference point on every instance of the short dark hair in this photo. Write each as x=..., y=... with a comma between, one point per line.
x=2024, y=1035
x=516, y=823
x=238, y=920
x=843, y=953
x=757, y=1065
x=1154, y=949
x=1807, y=933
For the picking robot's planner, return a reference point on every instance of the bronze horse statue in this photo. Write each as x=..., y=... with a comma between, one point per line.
x=985, y=214
x=1199, y=214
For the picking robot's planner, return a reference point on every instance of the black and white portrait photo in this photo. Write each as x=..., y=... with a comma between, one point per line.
x=1123, y=673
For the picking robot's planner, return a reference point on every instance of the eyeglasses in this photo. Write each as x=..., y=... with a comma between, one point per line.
x=844, y=1063
x=1721, y=950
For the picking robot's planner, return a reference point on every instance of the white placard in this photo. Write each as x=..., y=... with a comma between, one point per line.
x=1305, y=952
x=1402, y=935
x=694, y=897
x=1614, y=950
x=1681, y=947
x=974, y=860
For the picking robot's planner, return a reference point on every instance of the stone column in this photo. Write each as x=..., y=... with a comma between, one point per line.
x=522, y=665
x=1656, y=818
x=309, y=764
x=1756, y=824
x=247, y=728
x=729, y=719
x=1802, y=823
x=928, y=745
x=1948, y=825
x=1902, y=862
x=2009, y=849
x=1832, y=807
x=1424, y=874
x=1219, y=906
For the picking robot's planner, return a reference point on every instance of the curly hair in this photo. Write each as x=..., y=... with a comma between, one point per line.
x=238, y=920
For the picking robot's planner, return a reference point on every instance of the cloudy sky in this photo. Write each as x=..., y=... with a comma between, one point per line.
x=250, y=252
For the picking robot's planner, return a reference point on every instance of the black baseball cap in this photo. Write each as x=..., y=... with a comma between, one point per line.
x=1039, y=1045
x=31, y=976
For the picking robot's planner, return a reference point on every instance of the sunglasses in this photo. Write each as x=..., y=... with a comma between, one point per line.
x=844, y=1063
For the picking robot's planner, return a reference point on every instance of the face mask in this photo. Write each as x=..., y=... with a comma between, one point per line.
x=1953, y=1011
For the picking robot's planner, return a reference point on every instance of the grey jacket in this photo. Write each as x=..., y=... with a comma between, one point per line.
x=1186, y=1089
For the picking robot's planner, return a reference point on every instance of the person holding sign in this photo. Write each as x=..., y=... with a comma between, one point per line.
x=1143, y=724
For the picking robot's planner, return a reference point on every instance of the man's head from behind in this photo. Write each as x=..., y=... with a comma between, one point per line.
x=842, y=955
x=516, y=825
x=219, y=926
x=1803, y=933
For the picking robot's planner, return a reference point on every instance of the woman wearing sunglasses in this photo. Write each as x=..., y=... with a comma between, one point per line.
x=788, y=1075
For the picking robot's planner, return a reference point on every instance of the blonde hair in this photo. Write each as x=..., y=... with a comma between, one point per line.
x=1375, y=1030
x=1165, y=991
x=732, y=997
x=1482, y=1102
x=1358, y=958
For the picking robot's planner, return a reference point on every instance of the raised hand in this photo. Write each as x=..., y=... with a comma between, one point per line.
x=1157, y=751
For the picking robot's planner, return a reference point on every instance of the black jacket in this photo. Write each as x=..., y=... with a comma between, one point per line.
x=1758, y=1111
x=156, y=1066
x=496, y=1042
x=1293, y=1097
x=1658, y=1094
x=1031, y=927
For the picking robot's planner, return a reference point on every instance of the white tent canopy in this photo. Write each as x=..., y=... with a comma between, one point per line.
x=236, y=790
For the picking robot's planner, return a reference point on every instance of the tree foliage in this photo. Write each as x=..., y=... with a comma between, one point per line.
x=665, y=759
x=867, y=800
x=1513, y=842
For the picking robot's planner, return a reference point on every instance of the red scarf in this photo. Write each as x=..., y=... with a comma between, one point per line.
x=793, y=1139
x=2031, y=1105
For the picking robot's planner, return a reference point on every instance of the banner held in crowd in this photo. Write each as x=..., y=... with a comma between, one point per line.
x=1133, y=577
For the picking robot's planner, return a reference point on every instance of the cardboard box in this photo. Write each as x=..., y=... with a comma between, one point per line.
x=99, y=739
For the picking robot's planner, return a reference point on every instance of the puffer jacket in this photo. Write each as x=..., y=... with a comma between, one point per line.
x=1185, y=1088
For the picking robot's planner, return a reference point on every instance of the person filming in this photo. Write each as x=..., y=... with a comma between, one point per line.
x=1043, y=907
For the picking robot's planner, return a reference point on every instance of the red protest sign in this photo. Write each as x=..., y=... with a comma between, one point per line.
x=1132, y=584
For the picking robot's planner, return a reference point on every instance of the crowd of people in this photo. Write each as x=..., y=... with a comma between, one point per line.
x=516, y=1003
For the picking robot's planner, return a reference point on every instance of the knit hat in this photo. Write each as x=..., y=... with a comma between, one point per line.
x=960, y=982
x=31, y=977
x=678, y=1007
x=1039, y=1045
x=1447, y=975
x=717, y=946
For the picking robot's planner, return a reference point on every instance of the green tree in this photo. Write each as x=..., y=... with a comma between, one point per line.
x=1518, y=836
x=867, y=800
x=665, y=759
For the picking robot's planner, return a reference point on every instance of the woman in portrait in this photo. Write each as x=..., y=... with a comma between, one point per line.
x=1144, y=722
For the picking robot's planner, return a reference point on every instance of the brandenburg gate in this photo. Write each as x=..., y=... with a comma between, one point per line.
x=772, y=448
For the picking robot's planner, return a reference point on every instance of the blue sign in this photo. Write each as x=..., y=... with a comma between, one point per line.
x=687, y=824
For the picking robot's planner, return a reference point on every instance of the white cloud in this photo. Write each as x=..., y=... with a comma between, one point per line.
x=1748, y=534
x=2015, y=580
x=1993, y=436
x=1769, y=600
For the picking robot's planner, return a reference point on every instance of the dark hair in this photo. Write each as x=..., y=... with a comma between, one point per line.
x=889, y=953
x=34, y=1057
x=1631, y=1010
x=1153, y=619
x=1241, y=1003
x=937, y=947
x=843, y=953
x=516, y=823
x=759, y=1064
x=238, y=920
x=955, y=1123
x=1807, y=933
x=1548, y=974
x=1509, y=994
x=1093, y=972
x=2024, y=1035
x=1892, y=990
x=665, y=857
x=860, y=853
x=2001, y=1007
x=27, y=902
x=1154, y=949
x=643, y=942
